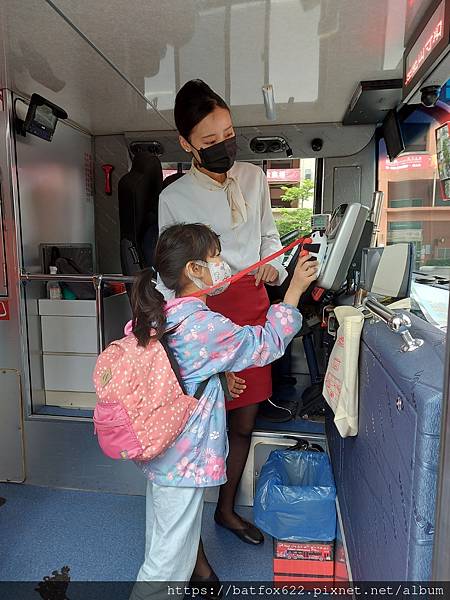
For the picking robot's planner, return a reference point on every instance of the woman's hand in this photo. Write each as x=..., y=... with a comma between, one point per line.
x=266, y=274
x=304, y=274
x=236, y=385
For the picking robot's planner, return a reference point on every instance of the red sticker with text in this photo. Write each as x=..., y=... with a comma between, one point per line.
x=4, y=310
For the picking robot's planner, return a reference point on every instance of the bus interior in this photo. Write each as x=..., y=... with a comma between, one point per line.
x=345, y=105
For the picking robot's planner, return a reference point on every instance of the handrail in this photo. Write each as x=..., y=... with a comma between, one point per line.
x=397, y=322
x=388, y=316
x=376, y=215
x=97, y=281
x=81, y=278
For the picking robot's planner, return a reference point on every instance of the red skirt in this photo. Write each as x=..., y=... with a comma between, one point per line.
x=245, y=304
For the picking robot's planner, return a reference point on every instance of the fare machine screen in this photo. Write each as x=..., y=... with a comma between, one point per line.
x=343, y=235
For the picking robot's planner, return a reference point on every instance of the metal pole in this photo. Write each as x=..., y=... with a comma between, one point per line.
x=397, y=322
x=383, y=312
x=98, y=285
x=376, y=216
x=79, y=278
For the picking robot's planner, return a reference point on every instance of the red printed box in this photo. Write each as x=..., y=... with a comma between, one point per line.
x=303, y=561
x=340, y=565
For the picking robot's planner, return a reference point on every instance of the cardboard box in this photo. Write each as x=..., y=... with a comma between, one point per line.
x=303, y=562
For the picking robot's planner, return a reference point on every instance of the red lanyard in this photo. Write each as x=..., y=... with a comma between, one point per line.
x=251, y=268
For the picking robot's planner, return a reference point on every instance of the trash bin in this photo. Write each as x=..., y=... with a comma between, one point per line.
x=295, y=497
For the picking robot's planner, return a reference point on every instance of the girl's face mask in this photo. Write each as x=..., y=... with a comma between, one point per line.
x=219, y=272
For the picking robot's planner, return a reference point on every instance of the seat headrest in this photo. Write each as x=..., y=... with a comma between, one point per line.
x=147, y=163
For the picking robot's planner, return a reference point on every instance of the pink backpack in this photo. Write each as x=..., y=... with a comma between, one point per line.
x=142, y=405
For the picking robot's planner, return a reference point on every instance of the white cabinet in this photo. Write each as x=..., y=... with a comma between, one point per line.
x=69, y=346
x=69, y=373
x=69, y=334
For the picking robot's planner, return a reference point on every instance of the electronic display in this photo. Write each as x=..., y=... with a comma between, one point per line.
x=42, y=117
x=319, y=222
x=393, y=135
x=428, y=42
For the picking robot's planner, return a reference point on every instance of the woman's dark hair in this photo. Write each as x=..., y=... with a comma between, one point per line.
x=177, y=245
x=195, y=101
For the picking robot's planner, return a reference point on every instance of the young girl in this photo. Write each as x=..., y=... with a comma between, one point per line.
x=205, y=344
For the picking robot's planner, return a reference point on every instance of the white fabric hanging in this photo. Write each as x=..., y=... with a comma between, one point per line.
x=340, y=388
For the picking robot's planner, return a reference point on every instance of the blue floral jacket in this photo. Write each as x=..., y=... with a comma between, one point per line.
x=205, y=344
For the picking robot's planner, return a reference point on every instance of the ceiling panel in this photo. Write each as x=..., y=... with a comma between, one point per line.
x=45, y=55
x=314, y=52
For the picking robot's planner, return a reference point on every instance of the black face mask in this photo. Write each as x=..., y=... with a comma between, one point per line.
x=220, y=157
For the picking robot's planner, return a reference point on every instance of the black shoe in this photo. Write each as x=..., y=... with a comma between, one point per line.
x=250, y=534
x=2, y=501
x=276, y=413
x=210, y=583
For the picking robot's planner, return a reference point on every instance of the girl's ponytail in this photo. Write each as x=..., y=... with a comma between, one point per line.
x=148, y=309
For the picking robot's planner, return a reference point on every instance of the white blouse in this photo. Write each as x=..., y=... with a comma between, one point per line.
x=187, y=201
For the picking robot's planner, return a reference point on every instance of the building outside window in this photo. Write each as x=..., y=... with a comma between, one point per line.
x=414, y=207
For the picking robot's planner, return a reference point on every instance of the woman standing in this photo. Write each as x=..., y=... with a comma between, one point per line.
x=233, y=199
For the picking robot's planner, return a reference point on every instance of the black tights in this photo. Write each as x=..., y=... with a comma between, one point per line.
x=241, y=422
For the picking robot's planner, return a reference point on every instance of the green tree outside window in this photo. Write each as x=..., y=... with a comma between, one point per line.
x=298, y=194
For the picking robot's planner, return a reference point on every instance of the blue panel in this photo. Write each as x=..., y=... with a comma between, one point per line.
x=386, y=476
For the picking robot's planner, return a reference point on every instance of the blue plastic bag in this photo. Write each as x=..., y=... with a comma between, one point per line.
x=295, y=497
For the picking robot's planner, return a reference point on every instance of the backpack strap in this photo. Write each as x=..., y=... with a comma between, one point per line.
x=176, y=369
x=173, y=362
x=201, y=388
x=223, y=382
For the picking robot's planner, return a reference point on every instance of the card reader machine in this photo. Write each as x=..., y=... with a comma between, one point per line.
x=316, y=247
x=343, y=235
x=334, y=248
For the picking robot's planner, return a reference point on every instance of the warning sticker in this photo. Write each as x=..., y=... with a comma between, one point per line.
x=4, y=310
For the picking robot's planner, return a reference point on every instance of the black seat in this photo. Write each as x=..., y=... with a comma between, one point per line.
x=138, y=212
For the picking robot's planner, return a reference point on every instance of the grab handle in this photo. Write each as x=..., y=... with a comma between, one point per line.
x=397, y=322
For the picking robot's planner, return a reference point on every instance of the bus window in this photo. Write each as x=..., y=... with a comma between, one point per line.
x=415, y=209
x=291, y=184
x=172, y=169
